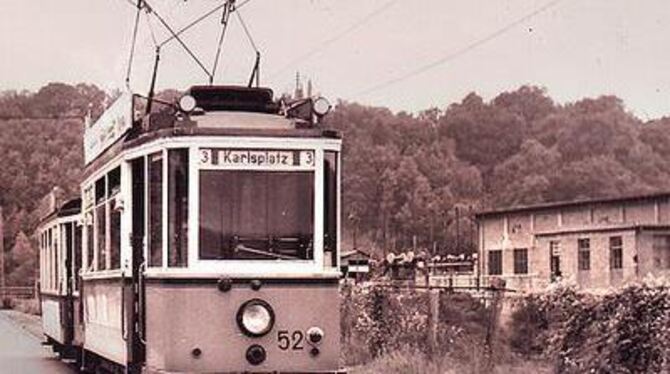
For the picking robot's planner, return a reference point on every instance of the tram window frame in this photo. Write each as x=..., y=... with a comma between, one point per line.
x=177, y=206
x=113, y=219
x=230, y=237
x=331, y=165
x=100, y=227
x=102, y=223
x=154, y=206
x=89, y=230
x=77, y=245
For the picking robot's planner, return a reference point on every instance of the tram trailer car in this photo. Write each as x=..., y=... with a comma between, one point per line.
x=211, y=236
x=59, y=237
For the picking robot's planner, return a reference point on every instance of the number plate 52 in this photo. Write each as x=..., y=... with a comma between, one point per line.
x=292, y=340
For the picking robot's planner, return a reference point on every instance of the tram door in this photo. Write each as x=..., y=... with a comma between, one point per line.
x=137, y=317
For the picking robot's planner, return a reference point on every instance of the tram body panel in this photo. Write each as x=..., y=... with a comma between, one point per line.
x=53, y=324
x=184, y=316
x=104, y=330
x=78, y=326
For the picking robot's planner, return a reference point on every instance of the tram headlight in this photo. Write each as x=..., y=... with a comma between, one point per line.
x=321, y=106
x=255, y=318
x=187, y=103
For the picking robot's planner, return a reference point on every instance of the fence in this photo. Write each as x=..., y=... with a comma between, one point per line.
x=17, y=292
x=378, y=318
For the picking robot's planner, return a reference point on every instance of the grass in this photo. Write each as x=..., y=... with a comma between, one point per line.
x=407, y=361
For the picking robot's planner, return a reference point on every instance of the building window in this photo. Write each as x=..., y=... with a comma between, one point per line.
x=521, y=261
x=661, y=249
x=495, y=262
x=584, y=254
x=555, y=259
x=616, y=252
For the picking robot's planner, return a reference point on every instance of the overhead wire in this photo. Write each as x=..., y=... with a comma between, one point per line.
x=469, y=47
x=203, y=17
x=181, y=42
x=175, y=34
x=256, y=71
x=246, y=30
x=326, y=43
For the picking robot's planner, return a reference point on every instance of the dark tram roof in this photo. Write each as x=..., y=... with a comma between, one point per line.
x=69, y=208
x=234, y=98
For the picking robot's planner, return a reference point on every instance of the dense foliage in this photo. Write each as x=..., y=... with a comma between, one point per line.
x=627, y=331
x=404, y=174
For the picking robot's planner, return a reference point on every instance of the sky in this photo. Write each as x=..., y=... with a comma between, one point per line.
x=405, y=55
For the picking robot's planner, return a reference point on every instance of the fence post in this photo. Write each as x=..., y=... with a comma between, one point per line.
x=433, y=318
x=377, y=341
x=492, y=326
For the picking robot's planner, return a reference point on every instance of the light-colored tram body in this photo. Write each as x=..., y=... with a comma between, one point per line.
x=59, y=237
x=210, y=240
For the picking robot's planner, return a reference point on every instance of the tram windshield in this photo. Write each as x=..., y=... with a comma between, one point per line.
x=256, y=215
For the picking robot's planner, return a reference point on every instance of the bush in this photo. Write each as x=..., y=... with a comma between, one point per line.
x=378, y=321
x=627, y=331
x=7, y=303
x=28, y=306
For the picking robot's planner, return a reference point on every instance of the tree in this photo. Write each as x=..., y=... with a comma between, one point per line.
x=22, y=262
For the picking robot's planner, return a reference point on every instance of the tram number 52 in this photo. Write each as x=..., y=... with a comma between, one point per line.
x=290, y=340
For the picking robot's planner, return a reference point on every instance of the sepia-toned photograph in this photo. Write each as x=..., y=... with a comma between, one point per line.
x=335, y=186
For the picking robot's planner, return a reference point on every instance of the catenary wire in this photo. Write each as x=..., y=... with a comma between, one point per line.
x=181, y=42
x=450, y=57
x=246, y=30
x=201, y=18
x=324, y=44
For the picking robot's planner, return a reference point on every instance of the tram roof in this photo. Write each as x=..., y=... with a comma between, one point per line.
x=69, y=208
x=221, y=111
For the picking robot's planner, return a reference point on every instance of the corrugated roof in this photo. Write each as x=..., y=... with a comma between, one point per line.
x=572, y=203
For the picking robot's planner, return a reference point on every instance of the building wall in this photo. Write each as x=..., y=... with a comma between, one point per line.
x=534, y=229
x=652, y=262
x=599, y=274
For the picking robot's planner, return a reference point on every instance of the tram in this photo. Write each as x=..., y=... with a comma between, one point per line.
x=209, y=238
x=59, y=238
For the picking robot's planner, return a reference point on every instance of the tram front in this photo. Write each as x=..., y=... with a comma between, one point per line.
x=241, y=239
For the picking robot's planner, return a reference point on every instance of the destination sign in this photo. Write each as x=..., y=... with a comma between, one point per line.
x=228, y=158
x=113, y=124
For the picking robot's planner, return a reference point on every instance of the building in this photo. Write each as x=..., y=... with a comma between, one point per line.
x=597, y=244
x=355, y=264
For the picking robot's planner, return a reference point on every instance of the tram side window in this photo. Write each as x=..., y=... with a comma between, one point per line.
x=113, y=188
x=42, y=262
x=330, y=207
x=90, y=242
x=100, y=228
x=77, y=254
x=177, y=207
x=67, y=232
x=155, y=218
x=56, y=259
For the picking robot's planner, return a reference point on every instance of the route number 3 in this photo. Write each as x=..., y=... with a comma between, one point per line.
x=290, y=340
